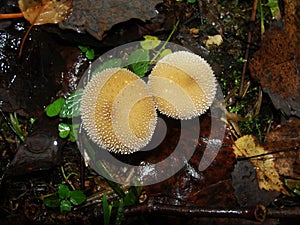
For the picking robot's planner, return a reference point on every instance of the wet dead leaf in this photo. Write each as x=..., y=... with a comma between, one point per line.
x=246, y=187
x=285, y=140
x=210, y=187
x=267, y=176
x=40, y=12
x=276, y=64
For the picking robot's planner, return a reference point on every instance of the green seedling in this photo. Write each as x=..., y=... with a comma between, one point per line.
x=66, y=109
x=16, y=126
x=89, y=52
x=129, y=199
x=65, y=198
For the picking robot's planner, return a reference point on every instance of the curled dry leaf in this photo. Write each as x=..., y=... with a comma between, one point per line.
x=40, y=12
x=267, y=176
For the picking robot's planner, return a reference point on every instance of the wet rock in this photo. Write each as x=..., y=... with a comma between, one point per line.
x=95, y=17
x=41, y=149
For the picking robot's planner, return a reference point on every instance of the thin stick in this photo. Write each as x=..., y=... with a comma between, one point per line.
x=23, y=41
x=11, y=16
x=261, y=156
x=252, y=19
x=257, y=213
x=27, y=32
x=287, y=212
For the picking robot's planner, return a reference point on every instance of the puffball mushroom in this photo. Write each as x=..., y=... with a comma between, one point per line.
x=118, y=111
x=183, y=85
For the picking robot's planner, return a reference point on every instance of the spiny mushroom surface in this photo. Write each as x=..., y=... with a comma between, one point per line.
x=118, y=111
x=183, y=85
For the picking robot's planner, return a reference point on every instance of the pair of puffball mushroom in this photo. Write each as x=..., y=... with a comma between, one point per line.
x=118, y=109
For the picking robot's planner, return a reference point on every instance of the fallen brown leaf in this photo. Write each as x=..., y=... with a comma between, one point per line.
x=285, y=139
x=276, y=64
x=267, y=176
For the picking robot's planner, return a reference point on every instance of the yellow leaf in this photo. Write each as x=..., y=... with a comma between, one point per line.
x=165, y=52
x=266, y=174
x=39, y=12
x=150, y=42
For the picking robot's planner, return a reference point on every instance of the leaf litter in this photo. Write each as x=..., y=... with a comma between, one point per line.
x=267, y=176
x=278, y=158
x=213, y=187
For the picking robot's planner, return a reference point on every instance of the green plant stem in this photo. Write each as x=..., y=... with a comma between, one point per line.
x=16, y=125
x=42, y=197
x=66, y=178
x=166, y=42
x=71, y=174
x=262, y=18
x=9, y=124
x=120, y=213
x=106, y=210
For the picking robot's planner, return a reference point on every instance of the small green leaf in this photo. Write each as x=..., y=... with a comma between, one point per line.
x=165, y=52
x=32, y=120
x=296, y=191
x=120, y=213
x=52, y=201
x=274, y=8
x=64, y=129
x=139, y=61
x=65, y=205
x=150, y=42
x=132, y=196
x=191, y=1
x=63, y=191
x=83, y=48
x=54, y=108
x=130, y=199
x=71, y=106
x=74, y=132
x=112, y=63
x=140, y=68
x=77, y=197
x=89, y=53
x=138, y=55
x=16, y=125
x=106, y=210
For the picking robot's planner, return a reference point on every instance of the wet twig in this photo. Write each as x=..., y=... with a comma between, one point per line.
x=261, y=156
x=257, y=213
x=11, y=16
x=291, y=212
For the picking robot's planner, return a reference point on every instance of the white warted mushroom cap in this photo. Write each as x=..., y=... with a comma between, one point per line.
x=118, y=111
x=183, y=85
